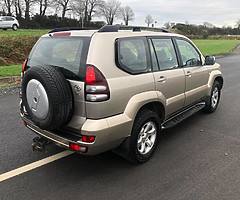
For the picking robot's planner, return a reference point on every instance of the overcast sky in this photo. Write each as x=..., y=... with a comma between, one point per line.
x=218, y=12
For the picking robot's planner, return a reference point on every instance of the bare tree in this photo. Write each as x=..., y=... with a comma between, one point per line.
x=8, y=5
x=93, y=6
x=64, y=5
x=149, y=20
x=127, y=14
x=110, y=10
x=28, y=5
x=18, y=8
x=85, y=9
x=78, y=7
x=43, y=6
x=2, y=8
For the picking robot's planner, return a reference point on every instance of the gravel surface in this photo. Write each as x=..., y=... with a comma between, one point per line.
x=9, y=90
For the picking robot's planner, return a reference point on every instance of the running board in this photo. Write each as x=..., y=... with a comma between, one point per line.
x=183, y=115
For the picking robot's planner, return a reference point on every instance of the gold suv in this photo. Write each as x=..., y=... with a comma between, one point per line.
x=114, y=89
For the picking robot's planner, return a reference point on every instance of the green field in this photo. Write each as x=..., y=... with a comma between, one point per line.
x=11, y=70
x=23, y=32
x=216, y=47
x=21, y=49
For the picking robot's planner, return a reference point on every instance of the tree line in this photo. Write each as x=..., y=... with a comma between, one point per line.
x=81, y=11
x=203, y=31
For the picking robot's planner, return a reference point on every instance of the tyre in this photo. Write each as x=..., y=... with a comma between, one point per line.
x=47, y=97
x=144, y=138
x=14, y=27
x=212, y=102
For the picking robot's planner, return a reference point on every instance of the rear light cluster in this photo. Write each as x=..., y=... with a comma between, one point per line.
x=88, y=139
x=24, y=66
x=96, y=86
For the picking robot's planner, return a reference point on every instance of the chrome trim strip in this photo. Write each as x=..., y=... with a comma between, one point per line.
x=50, y=138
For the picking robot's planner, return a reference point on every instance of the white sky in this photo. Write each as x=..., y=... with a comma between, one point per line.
x=217, y=12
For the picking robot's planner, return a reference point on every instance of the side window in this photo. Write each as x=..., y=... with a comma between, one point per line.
x=132, y=55
x=190, y=56
x=9, y=19
x=166, y=54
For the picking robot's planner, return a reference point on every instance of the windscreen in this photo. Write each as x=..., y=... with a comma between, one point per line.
x=67, y=54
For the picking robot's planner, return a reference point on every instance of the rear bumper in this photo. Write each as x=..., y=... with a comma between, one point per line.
x=109, y=133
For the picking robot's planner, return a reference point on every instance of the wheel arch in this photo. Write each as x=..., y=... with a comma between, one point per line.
x=215, y=75
x=220, y=80
x=152, y=100
x=154, y=106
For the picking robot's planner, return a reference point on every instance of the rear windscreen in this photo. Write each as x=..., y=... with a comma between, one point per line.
x=67, y=54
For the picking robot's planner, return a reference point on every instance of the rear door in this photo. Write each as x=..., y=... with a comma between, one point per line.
x=196, y=74
x=9, y=22
x=169, y=77
x=68, y=55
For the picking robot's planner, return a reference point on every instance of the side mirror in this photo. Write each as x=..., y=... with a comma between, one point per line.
x=210, y=60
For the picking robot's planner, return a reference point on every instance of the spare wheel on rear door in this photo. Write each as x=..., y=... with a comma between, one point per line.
x=47, y=96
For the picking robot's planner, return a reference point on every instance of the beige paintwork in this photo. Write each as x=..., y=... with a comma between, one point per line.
x=111, y=121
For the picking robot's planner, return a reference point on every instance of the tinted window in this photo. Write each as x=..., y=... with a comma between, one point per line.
x=166, y=54
x=9, y=19
x=190, y=56
x=68, y=54
x=132, y=55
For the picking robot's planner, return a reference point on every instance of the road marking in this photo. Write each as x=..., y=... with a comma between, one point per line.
x=34, y=165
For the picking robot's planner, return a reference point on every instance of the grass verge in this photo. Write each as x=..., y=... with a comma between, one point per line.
x=11, y=70
x=216, y=47
x=23, y=32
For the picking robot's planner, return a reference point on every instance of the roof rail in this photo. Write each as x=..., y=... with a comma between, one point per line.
x=116, y=28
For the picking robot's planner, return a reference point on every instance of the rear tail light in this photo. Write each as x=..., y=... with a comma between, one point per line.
x=24, y=66
x=88, y=139
x=96, y=86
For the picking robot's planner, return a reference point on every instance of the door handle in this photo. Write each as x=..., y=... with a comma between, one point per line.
x=162, y=79
x=188, y=74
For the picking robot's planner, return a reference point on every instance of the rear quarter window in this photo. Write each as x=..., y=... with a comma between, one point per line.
x=132, y=55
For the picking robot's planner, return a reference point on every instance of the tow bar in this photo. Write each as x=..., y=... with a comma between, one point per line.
x=39, y=144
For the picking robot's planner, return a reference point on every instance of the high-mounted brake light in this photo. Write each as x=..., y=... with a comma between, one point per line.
x=61, y=34
x=96, y=86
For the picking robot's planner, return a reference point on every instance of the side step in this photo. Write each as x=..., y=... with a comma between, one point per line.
x=183, y=115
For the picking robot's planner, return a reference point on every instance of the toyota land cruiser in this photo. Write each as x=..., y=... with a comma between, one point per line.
x=94, y=91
